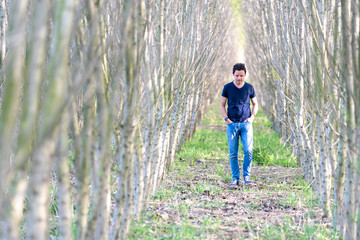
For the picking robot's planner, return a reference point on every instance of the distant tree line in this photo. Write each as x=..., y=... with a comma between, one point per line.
x=96, y=97
x=305, y=57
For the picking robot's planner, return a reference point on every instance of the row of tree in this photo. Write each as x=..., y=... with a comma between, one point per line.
x=304, y=56
x=96, y=98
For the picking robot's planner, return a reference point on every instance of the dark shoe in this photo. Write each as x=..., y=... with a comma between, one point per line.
x=234, y=184
x=248, y=182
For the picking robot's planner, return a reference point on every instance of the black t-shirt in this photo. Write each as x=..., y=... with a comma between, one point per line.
x=238, y=101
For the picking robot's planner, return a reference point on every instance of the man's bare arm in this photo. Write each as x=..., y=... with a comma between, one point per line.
x=222, y=108
x=254, y=109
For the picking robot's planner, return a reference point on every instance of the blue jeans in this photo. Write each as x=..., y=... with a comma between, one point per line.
x=245, y=131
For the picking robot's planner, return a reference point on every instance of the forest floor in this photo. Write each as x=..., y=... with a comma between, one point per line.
x=194, y=201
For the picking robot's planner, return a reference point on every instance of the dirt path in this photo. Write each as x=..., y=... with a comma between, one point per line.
x=280, y=200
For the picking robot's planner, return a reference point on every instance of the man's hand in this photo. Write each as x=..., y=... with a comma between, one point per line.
x=250, y=119
x=228, y=121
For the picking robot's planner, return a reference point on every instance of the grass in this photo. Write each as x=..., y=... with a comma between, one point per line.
x=194, y=203
x=205, y=144
x=189, y=228
x=290, y=231
x=269, y=149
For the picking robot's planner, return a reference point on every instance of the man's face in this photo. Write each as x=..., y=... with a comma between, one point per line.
x=239, y=76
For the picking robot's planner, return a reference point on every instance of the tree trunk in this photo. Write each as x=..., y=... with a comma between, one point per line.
x=63, y=182
x=12, y=79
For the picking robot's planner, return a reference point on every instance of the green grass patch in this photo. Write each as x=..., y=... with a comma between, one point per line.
x=161, y=228
x=269, y=149
x=205, y=144
x=289, y=230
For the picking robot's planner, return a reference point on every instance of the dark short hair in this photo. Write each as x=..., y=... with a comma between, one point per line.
x=239, y=67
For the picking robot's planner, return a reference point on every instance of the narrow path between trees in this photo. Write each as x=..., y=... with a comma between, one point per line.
x=194, y=201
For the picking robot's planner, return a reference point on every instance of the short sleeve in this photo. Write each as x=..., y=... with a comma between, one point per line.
x=252, y=92
x=225, y=92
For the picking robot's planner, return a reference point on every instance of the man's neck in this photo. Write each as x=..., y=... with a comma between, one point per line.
x=239, y=85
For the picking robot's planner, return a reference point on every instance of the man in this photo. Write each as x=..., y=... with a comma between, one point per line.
x=239, y=117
